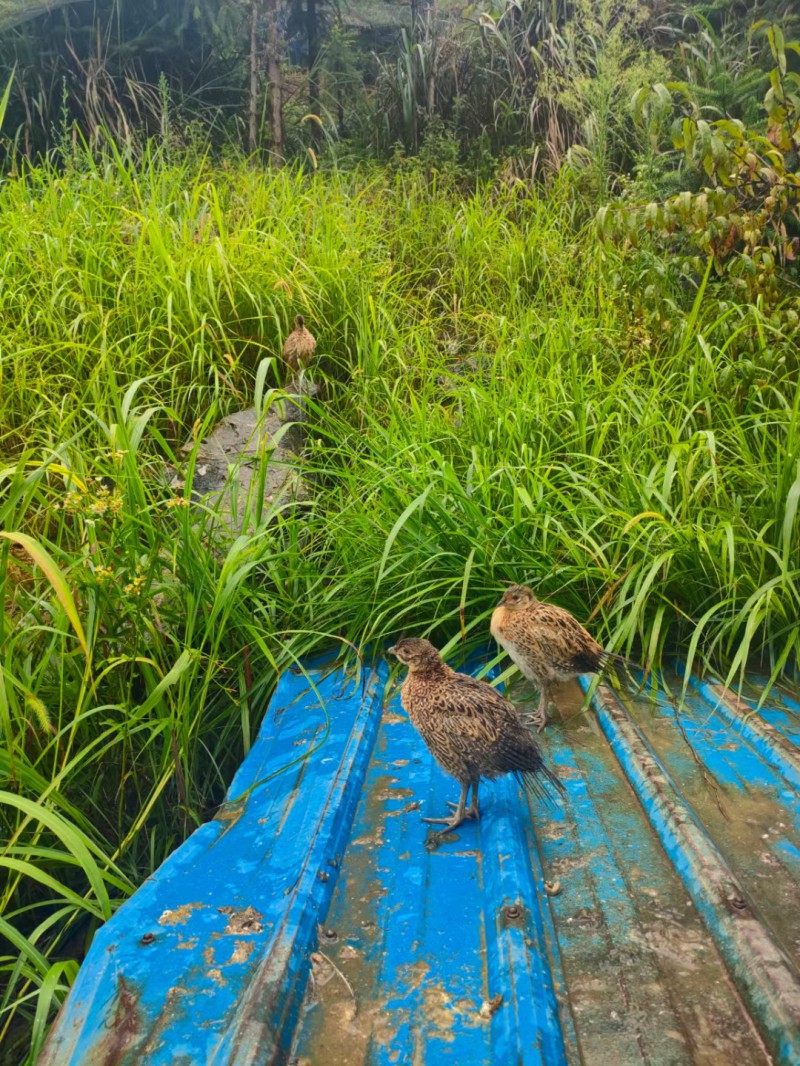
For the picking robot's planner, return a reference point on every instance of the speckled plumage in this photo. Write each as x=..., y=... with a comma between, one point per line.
x=469, y=727
x=546, y=642
x=299, y=346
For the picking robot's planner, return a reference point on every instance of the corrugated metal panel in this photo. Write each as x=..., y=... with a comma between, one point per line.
x=311, y=923
x=208, y=961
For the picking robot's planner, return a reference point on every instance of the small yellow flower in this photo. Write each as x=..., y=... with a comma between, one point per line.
x=117, y=455
x=178, y=501
x=134, y=587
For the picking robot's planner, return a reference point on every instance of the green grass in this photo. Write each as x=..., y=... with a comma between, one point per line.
x=497, y=408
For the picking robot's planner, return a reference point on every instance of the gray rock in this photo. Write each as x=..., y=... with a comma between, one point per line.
x=246, y=457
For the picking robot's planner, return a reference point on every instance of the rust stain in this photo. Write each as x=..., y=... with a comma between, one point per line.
x=376, y=890
x=189, y=944
x=728, y=696
x=125, y=1028
x=242, y=950
x=709, y=1026
x=442, y=1014
x=170, y=1011
x=372, y=840
x=348, y=1027
x=417, y=972
x=179, y=915
x=490, y=1007
x=241, y=922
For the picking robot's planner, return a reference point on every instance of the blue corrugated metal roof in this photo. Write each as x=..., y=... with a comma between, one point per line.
x=310, y=922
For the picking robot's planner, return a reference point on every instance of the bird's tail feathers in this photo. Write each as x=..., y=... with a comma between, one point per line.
x=542, y=782
x=623, y=668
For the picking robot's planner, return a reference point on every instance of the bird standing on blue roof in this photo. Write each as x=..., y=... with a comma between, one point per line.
x=547, y=643
x=469, y=727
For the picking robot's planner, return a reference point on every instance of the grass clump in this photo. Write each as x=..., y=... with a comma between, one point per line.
x=497, y=408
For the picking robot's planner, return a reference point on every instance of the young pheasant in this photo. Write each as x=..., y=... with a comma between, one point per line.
x=546, y=643
x=469, y=728
x=299, y=347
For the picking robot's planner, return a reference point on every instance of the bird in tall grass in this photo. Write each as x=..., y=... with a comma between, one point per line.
x=547, y=643
x=469, y=727
x=299, y=347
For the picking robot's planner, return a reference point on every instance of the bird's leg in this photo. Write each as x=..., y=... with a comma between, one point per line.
x=472, y=811
x=457, y=818
x=539, y=716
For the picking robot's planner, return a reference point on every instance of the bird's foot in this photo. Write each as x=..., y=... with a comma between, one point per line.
x=470, y=812
x=448, y=823
x=439, y=836
x=537, y=718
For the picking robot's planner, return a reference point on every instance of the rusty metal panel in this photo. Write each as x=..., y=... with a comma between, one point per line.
x=443, y=955
x=652, y=916
x=207, y=962
x=764, y=972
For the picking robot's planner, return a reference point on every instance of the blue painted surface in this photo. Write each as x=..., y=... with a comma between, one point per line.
x=310, y=921
x=434, y=936
x=765, y=973
x=768, y=740
x=186, y=993
x=781, y=709
x=738, y=755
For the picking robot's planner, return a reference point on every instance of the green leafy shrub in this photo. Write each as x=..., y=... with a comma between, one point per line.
x=743, y=213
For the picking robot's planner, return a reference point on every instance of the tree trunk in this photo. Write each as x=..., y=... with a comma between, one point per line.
x=313, y=71
x=430, y=16
x=253, y=96
x=275, y=79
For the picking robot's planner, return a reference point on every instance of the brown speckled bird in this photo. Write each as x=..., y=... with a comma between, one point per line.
x=299, y=347
x=469, y=727
x=546, y=643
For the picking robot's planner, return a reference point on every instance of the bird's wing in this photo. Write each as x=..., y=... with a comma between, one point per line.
x=471, y=710
x=479, y=699
x=565, y=638
x=484, y=731
x=507, y=746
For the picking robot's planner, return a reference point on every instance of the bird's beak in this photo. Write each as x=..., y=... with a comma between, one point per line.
x=392, y=650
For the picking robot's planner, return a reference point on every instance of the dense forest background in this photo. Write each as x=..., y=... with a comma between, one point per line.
x=470, y=84
x=636, y=102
